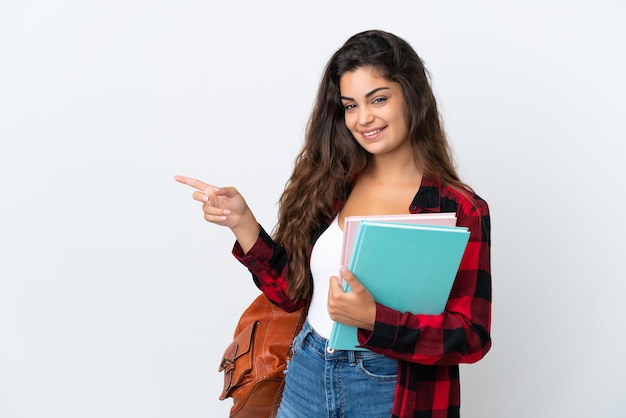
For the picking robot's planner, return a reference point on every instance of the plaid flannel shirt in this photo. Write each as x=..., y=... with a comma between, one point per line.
x=428, y=348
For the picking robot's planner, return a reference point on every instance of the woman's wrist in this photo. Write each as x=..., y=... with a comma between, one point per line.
x=247, y=231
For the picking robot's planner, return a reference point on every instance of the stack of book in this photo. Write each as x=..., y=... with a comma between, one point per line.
x=407, y=262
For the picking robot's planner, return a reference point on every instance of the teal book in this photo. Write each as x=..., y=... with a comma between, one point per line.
x=351, y=226
x=407, y=267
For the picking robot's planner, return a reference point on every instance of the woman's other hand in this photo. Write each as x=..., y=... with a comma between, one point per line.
x=355, y=308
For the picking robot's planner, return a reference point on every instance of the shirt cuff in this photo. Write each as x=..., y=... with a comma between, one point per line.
x=385, y=331
x=260, y=253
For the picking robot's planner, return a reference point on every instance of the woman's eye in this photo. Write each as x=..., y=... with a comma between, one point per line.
x=349, y=106
x=379, y=100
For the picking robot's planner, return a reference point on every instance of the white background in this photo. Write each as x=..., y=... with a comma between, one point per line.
x=117, y=299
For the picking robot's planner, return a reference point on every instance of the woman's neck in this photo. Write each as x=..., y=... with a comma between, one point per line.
x=393, y=170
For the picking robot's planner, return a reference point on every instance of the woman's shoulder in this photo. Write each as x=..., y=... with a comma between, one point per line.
x=464, y=199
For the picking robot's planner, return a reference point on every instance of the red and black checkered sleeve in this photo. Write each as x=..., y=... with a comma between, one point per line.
x=268, y=263
x=461, y=334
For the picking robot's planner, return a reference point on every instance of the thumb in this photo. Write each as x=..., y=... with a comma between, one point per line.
x=347, y=276
x=226, y=191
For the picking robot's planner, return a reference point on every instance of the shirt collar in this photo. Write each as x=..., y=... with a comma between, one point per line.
x=427, y=198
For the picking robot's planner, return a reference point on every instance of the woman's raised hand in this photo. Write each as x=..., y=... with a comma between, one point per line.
x=225, y=206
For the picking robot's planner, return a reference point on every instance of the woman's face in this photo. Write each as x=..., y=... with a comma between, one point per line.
x=374, y=111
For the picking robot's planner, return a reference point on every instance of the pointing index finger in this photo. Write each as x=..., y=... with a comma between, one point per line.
x=195, y=183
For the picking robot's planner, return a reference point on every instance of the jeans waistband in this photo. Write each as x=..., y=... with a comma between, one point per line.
x=320, y=344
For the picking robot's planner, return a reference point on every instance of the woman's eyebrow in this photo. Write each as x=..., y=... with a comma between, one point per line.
x=367, y=95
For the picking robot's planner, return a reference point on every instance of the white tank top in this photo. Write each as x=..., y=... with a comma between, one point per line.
x=325, y=259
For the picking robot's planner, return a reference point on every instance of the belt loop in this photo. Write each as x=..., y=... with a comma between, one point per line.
x=351, y=357
x=304, y=332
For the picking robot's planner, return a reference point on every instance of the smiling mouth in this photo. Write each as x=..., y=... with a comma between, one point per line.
x=371, y=133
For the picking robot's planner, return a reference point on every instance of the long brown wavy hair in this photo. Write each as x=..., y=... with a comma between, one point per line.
x=331, y=159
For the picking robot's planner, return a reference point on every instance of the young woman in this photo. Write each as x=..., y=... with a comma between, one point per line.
x=374, y=145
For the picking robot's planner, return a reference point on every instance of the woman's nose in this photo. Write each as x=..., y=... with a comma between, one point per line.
x=365, y=116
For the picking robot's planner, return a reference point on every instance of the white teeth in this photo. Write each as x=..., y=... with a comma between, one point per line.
x=371, y=133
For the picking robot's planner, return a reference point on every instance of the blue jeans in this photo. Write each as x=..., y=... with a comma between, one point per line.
x=322, y=383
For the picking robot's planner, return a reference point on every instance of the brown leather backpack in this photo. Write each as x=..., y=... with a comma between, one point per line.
x=253, y=364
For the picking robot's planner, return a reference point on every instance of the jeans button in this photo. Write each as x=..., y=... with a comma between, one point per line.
x=330, y=350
